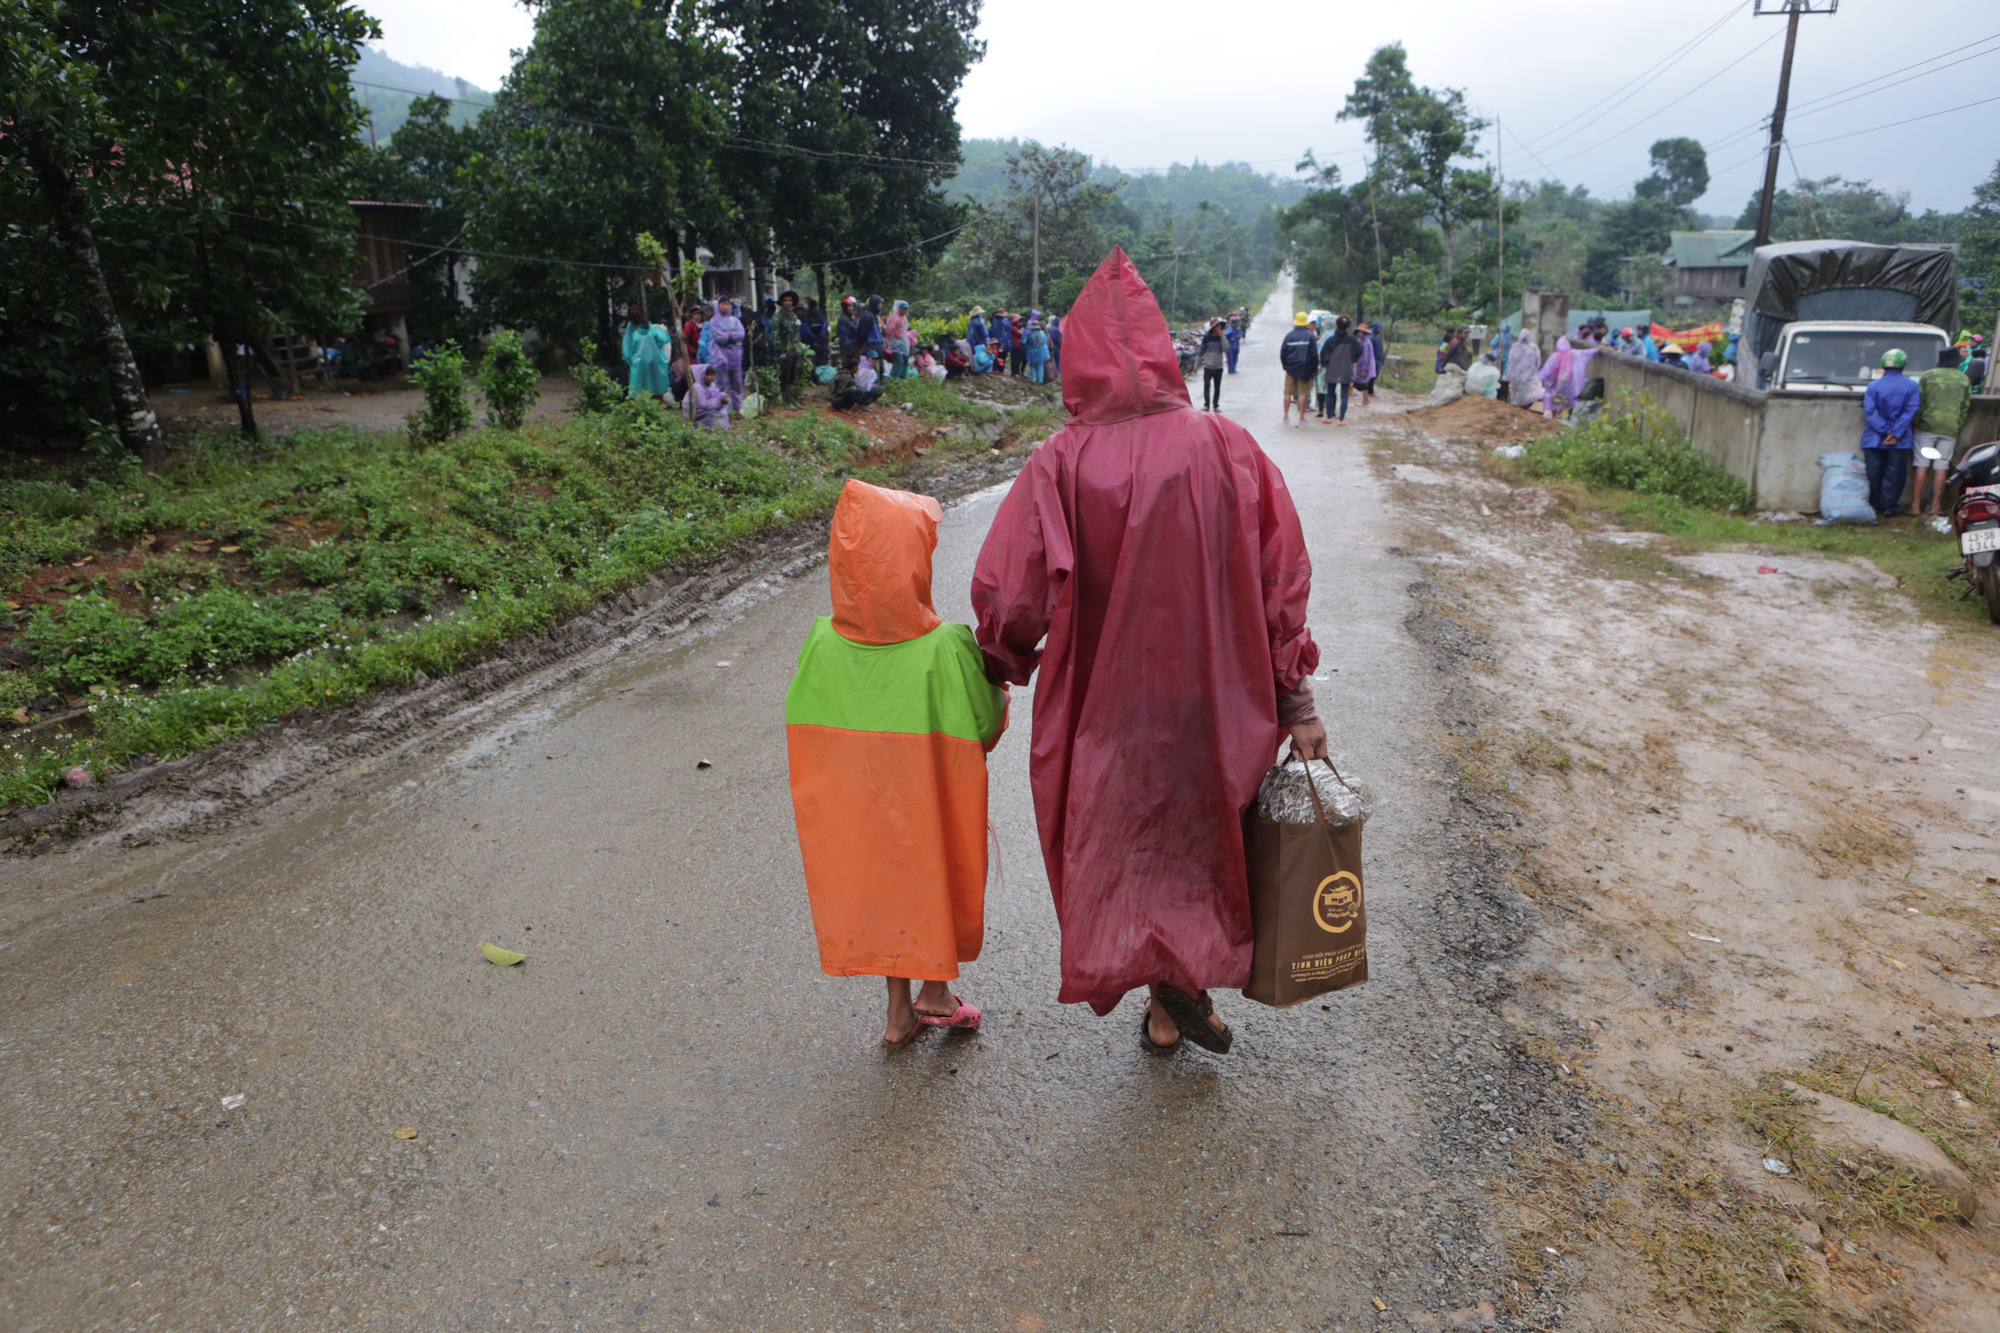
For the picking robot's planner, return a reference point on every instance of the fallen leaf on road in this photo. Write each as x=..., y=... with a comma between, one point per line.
x=233, y=1100
x=1377, y=1302
x=1705, y=939
x=19, y=715
x=502, y=957
x=231, y=550
x=703, y=764
x=405, y=1132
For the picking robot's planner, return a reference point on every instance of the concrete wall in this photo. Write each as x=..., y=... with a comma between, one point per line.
x=1771, y=440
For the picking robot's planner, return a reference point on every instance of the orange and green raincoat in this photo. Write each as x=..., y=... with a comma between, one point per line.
x=888, y=721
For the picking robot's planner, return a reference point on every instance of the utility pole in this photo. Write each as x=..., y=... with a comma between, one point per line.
x=1791, y=9
x=1035, y=274
x=1500, y=281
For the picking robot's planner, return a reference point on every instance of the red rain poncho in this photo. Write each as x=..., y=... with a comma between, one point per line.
x=1159, y=551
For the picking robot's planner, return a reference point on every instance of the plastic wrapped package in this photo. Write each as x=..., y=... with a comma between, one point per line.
x=1284, y=798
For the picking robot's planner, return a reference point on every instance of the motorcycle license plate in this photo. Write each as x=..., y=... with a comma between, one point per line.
x=1979, y=539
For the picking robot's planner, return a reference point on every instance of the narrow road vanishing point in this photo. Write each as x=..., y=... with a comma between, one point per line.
x=667, y=1118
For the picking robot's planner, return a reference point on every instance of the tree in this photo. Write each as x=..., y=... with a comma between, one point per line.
x=187, y=156
x=1054, y=186
x=1680, y=173
x=1835, y=206
x=1420, y=135
x=842, y=131
x=610, y=123
x=1342, y=241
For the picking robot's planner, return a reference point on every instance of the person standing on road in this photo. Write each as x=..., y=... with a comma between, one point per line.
x=1365, y=365
x=691, y=331
x=888, y=722
x=1889, y=410
x=1299, y=355
x=1161, y=700
x=1944, y=398
x=1234, y=335
x=1214, y=355
x=1336, y=358
x=1524, y=364
x=725, y=350
x=896, y=340
x=1055, y=347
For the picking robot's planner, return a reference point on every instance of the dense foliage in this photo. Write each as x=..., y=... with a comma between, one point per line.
x=1642, y=450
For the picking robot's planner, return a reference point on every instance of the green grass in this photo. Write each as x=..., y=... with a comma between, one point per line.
x=1660, y=484
x=1641, y=451
x=1418, y=374
x=248, y=580
x=937, y=402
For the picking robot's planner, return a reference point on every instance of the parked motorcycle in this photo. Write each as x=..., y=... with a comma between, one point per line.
x=1975, y=517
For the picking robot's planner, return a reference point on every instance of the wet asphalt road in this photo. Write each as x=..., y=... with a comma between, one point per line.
x=667, y=1119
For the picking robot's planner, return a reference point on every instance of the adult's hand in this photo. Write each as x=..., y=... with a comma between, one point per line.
x=1309, y=740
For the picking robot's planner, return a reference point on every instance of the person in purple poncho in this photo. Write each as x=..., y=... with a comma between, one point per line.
x=1559, y=380
x=725, y=350
x=707, y=404
x=1365, y=366
x=1524, y=364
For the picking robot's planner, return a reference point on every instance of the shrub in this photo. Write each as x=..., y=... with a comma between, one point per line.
x=1642, y=450
x=93, y=642
x=596, y=390
x=507, y=378
x=447, y=410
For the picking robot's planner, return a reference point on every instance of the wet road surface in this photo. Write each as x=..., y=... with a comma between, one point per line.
x=667, y=1119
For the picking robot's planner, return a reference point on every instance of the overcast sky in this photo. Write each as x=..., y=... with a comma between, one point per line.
x=1145, y=85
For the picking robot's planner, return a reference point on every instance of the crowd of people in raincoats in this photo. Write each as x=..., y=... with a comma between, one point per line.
x=705, y=369
x=1327, y=359
x=1516, y=370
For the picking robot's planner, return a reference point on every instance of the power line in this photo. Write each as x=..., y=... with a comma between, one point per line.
x=1646, y=76
x=1872, y=129
x=1666, y=106
x=1822, y=102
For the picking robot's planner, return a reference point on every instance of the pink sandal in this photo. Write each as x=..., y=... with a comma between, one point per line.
x=965, y=1016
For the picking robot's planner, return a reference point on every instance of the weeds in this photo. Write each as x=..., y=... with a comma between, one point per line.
x=507, y=379
x=1854, y=1189
x=240, y=585
x=934, y=402
x=446, y=410
x=1641, y=451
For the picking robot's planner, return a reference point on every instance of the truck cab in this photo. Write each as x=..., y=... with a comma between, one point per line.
x=1845, y=356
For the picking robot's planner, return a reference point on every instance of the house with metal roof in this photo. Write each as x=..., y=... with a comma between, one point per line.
x=1711, y=265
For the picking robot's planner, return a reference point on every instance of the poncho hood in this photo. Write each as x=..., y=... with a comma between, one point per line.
x=879, y=560
x=1118, y=357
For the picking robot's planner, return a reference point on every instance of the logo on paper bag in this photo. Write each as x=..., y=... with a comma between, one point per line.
x=1337, y=902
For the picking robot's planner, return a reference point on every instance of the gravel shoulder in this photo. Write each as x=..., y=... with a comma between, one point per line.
x=1752, y=797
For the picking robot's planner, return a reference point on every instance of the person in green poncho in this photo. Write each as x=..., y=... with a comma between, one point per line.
x=790, y=349
x=646, y=353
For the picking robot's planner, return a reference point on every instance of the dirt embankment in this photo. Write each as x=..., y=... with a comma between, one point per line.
x=1757, y=802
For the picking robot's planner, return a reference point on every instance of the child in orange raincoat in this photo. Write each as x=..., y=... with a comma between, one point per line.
x=888, y=722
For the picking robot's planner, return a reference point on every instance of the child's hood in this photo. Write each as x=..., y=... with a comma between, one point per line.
x=879, y=560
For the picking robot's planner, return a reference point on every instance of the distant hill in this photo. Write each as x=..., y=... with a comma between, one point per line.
x=1230, y=186
x=389, y=109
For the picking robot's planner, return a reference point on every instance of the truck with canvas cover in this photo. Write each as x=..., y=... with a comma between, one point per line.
x=1852, y=289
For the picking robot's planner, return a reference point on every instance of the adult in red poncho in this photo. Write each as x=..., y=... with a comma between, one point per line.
x=1158, y=550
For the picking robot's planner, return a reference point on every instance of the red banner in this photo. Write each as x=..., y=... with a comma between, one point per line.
x=1687, y=338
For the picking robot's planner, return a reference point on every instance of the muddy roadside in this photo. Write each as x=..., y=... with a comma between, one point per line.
x=204, y=791
x=1753, y=798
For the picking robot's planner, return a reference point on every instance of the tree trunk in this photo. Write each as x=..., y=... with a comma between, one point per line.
x=1450, y=289
x=137, y=426
x=239, y=382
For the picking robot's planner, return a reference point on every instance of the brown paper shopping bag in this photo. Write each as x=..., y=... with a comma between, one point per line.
x=1306, y=906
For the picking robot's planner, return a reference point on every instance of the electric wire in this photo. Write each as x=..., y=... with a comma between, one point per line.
x=1666, y=106
x=1645, y=77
